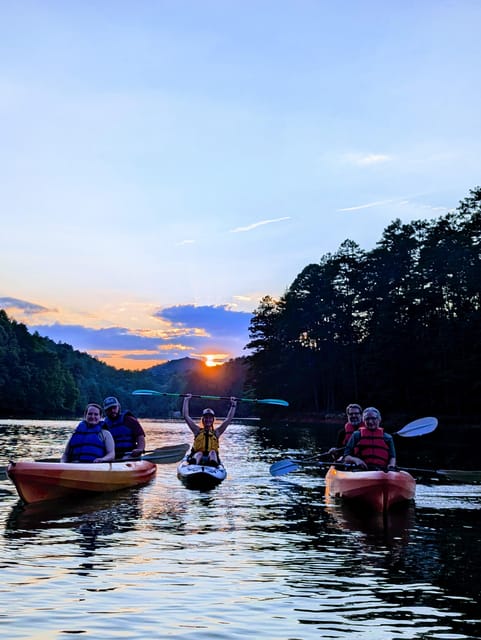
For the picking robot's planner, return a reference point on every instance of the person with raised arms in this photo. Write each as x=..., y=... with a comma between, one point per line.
x=90, y=442
x=369, y=446
x=206, y=437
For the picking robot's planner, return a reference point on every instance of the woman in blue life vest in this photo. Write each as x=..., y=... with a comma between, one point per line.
x=206, y=438
x=370, y=447
x=90, y=442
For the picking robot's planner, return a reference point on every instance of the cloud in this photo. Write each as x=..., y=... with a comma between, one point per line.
x=377, y=203
x=190, y=330
x=259, y=224
x=218, y=320
x=366, y=159
x=28, y=308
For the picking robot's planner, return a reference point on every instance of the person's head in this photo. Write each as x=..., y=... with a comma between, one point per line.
x=208, y=417
x=354, y=413
x=111, y=407
x=371, y=417
x=93, y=413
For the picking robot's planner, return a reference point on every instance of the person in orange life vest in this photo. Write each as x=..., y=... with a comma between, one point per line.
x=370, y=446
x=206, y=438
x=126, y=430
x=90, y=442
x=354, y=421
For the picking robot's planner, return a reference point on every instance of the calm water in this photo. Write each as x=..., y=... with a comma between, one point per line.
x=257, y=557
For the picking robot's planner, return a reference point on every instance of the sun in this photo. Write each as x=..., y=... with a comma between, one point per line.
x=210, y=361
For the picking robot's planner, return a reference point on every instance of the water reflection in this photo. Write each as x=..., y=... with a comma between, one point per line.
x=257, y=557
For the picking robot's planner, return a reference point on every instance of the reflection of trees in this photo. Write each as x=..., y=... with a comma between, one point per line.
x=448, y=550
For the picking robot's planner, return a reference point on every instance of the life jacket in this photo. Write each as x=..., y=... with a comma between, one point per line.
x=205, y=441
x=87, y=443
x=121, y=433
x=372, y=447
x=348, y=431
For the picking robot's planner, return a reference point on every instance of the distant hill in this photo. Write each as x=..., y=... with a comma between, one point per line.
x=41, y=378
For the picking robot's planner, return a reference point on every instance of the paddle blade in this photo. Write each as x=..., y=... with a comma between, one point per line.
x=419, y=427
x=146, y=392
x=283, y=467
x=460, y=476
x=166, y=455
x=279, y=403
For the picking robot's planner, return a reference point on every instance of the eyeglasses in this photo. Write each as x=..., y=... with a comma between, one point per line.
x=354, y=415
x=371, y=419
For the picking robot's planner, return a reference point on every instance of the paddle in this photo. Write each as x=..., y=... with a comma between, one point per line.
x=282, y=467
x=462, y=476
x=418, y=427
x=149, y=392
x=161, y=455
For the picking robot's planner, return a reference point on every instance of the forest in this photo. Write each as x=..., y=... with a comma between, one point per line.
x=397, y=327
x=41, y=378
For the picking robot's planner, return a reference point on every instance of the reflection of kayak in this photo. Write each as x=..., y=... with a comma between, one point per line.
x=389, y=527
x=378, y=489
x=40, y=481
x=200, y=476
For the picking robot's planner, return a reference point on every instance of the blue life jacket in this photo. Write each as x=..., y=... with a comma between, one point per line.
x=122, y=434
x=86, y=443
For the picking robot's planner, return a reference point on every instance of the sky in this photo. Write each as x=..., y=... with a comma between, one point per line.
x=165, y=164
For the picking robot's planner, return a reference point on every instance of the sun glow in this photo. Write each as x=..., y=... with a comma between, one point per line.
x=210, y=361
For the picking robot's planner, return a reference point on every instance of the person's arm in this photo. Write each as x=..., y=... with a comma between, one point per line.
x=229, y=417
x=391, y=465
x=139, y=435
x=65, y=454
x=349, y=458
x=109, y=445
x=140, y=448
x=185, y=414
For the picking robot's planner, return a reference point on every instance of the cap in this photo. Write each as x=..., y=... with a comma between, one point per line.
x=208, y=412
x=111, y=402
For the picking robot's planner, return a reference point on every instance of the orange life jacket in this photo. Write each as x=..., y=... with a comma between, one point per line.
x=372, y=447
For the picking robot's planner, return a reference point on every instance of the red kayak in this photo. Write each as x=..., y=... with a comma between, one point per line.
x=378, y=489
x=41, y=481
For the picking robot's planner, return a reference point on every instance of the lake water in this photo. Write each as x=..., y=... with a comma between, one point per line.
x=257, y=557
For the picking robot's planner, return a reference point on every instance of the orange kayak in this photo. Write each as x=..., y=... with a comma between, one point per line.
x=379, y=490
x=41, y=481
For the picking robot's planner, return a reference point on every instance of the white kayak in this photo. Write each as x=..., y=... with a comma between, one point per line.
x=200, y=476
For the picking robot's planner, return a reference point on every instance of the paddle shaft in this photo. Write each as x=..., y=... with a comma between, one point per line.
x=149, y=392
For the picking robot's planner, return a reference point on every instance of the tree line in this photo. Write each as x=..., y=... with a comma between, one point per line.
x=41, y=378
x=397, y=326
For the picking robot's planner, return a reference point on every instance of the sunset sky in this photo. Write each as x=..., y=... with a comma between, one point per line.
x=165, y=164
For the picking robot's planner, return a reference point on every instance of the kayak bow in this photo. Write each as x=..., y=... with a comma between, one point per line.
x=380, y=490
x=200, y=476
x=42, y=481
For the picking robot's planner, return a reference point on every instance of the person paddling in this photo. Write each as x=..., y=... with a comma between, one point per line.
x=369, y=446
x=354, y=421
x=90, y=442
x=206, y=438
